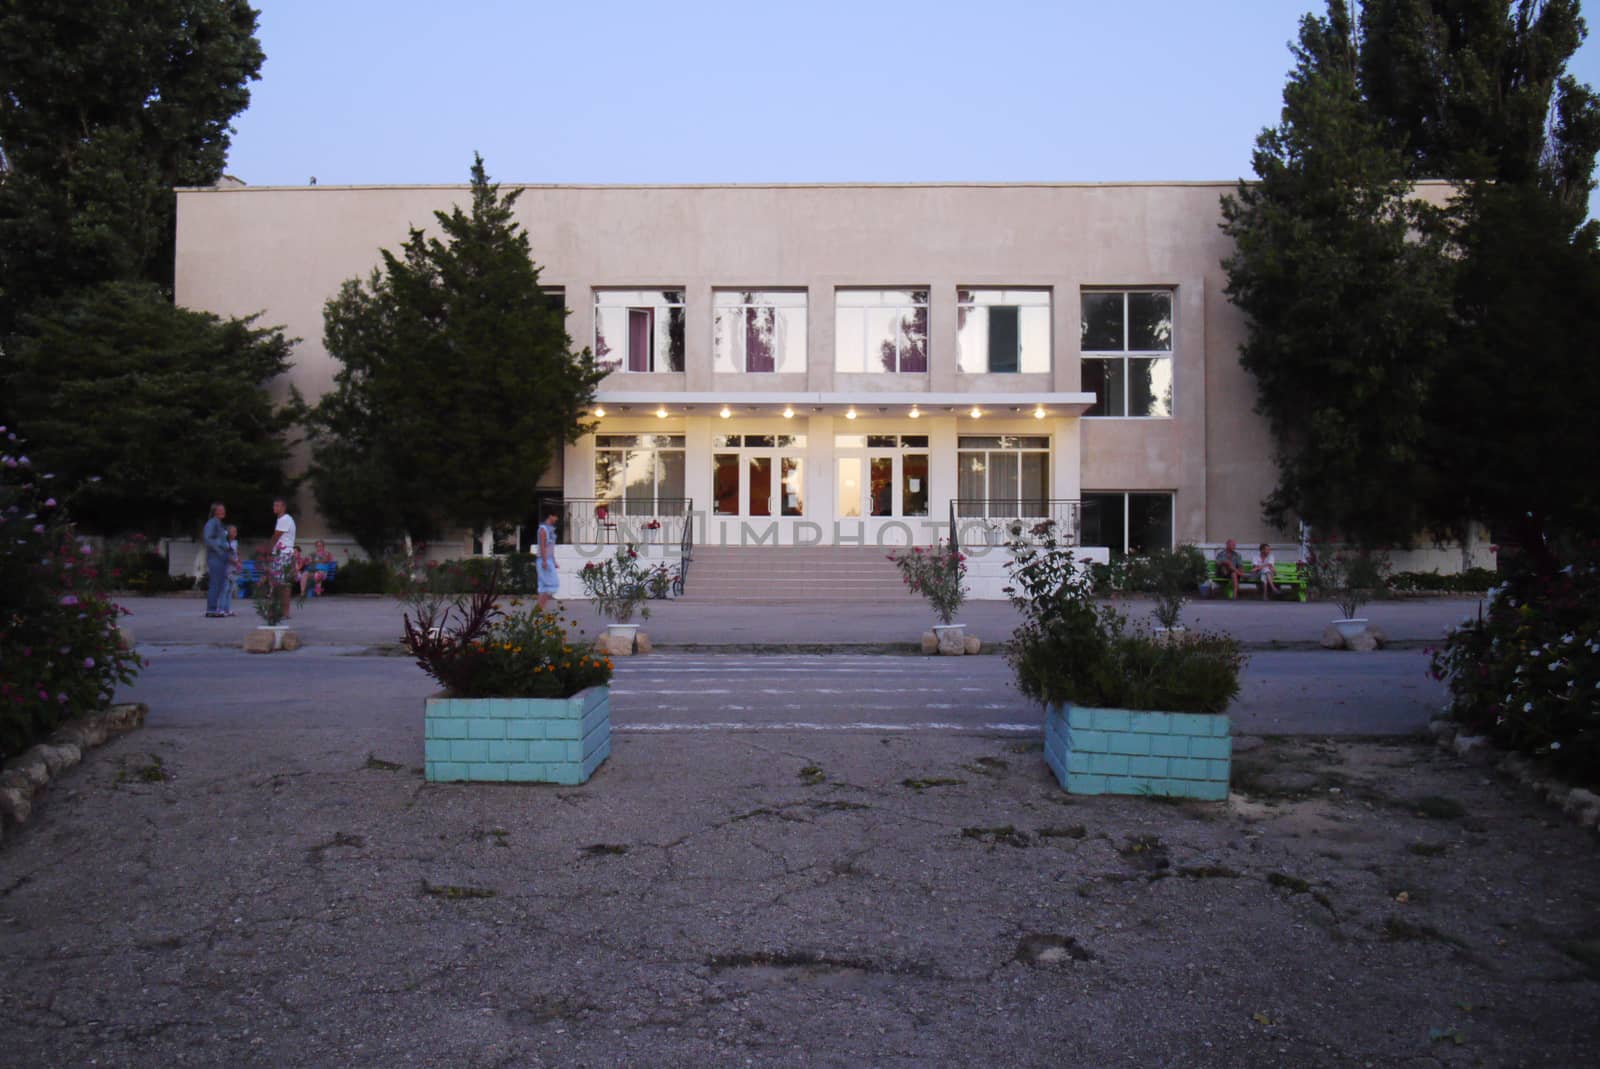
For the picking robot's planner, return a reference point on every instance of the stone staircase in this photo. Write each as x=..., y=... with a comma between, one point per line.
x=812, y=574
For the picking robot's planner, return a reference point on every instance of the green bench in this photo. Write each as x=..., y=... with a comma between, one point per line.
x=1287, y=577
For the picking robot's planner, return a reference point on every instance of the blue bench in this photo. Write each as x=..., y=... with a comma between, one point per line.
x=245, y=582
x=328, y=570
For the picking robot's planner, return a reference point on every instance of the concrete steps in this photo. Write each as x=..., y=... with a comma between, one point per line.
x=808, y=574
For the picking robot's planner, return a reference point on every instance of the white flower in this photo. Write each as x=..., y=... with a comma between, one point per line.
x=1527, y=707
x=1555, y=746
x=1554, y=665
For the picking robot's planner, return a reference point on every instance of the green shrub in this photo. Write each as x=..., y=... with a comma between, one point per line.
x=1471, y=581
x=1526, y=672
x=1068, y=650
x=60, y=651
x=362, y=577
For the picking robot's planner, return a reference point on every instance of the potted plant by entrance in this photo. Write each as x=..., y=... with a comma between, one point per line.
x=1350, y=579
x=619, y=588
x=524, y=700
x=273, y=592
x=937, y=573
x=1124, y=712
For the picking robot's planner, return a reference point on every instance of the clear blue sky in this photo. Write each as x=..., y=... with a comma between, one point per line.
x=398, y=91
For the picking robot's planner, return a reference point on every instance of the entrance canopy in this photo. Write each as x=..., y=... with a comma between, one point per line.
x=863, y=403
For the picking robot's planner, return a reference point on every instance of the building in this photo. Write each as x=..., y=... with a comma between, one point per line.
x=837, y=364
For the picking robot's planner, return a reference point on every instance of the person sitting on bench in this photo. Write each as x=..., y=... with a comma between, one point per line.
x=1230, y=566
x=1266, y=572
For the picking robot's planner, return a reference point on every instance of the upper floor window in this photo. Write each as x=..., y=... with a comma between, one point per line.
x=638, y=330
x=881, y=330
x=759, y=330
x=1002, y=330
x=1126, y=346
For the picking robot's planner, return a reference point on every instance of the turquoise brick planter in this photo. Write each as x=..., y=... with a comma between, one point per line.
x=1116, y=751
x=517, y=740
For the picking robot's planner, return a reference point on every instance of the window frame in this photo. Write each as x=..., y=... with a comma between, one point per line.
x=1127, y=499
x=966, y=302
x=1125, y=355
x=781, y=357
x=905, y=310
x=662, y=303
x=674, y=443
x=1046, y=451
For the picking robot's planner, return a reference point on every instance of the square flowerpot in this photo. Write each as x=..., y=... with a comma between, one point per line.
x=1120, y=751
x=517, y=740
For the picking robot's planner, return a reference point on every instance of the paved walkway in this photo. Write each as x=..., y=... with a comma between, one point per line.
x=368, y=621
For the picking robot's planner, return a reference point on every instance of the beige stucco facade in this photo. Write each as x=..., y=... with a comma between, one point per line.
x=283, y=252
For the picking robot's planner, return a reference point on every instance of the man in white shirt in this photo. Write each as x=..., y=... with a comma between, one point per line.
x=283, y=533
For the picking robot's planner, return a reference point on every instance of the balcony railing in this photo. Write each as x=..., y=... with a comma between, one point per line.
x=602, y=521
x=996, y=521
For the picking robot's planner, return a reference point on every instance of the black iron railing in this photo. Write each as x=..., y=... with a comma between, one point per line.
x=685, y=549
x=996, y=521
x=598, y=521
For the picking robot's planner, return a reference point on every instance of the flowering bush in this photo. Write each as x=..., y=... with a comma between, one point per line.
x=133, y=563
x=60, y=651
x=618, y=586
x=937, y=575
x=1068, y=650
x=487, y=653
x=1526, y=672
x=277, y=585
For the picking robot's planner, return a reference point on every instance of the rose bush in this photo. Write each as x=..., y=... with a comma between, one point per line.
x=1526, y=670
x=937, y=573
x=61, y=654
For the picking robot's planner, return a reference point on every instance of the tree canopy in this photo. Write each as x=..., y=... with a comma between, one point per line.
x=146, y=413
x=1413, y=348
x=458, y=382
x=105, y=106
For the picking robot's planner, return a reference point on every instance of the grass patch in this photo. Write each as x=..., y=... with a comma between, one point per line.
x=987, y=766
x=1438, y=807
x=811, y=775
x=378, y=764
x=924, y=783
x=1003, y=833
x=1208, y=872
x=453, y=893
x=1292, y=884
x=605, y=849
x=1025, y=747
x=1400, y=930
x=1071, y=831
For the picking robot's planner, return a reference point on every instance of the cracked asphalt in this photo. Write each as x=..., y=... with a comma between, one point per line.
x=267, y=881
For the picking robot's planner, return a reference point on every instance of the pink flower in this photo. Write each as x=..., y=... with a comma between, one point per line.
x=69, y=599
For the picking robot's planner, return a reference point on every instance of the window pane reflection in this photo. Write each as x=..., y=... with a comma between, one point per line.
x=1149, y=322
x=1101, y=325
x=760, y=486
x=914, y=484
x=725, y=483
x=1149, y=386
x=882, y=486
x=793, y=486
x=849, y=504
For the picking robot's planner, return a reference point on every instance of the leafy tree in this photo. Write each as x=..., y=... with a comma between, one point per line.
x=1454, y=346
x=459, y=383
x=1347, y=306
x=146, y=413
x=105, y=105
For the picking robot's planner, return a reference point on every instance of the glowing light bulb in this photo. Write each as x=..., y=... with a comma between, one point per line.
x=1038, y=413
x=726, y=412
x=916, y=413
x=661, y=413
x=850, y=414
x=599, y=413
x=976, y=412
x=788, y=413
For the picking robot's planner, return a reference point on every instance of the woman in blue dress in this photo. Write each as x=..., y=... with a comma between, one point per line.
x=546, y=569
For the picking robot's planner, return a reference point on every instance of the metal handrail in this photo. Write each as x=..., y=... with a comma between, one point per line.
x=955, y=532
x=1002, y=519
x=685, y=549
x=619, y=521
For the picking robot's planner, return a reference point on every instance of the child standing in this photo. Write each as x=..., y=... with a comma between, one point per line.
x=225, y=595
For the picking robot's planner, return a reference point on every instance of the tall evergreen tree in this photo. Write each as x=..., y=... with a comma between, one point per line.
x=105, y=105
x=1504, y=277
x=459, y=384
x=1347, y=307
x=146, y=412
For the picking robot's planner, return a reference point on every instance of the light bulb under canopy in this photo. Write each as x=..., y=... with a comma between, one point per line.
x=661, y=413
x=850, y=414
x=726, y=412
x=788, y=412
x=599, y=413
x=916, y=413
x=976, y=412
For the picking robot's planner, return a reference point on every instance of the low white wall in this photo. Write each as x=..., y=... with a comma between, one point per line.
x=988, y=570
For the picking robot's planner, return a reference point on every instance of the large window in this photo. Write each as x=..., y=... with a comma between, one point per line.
x=881, y=330
x=1002, y=330
x=759, y=330
x=1004, y=476
x=639, y=474
x=638, y=330
x=1126, y=346
x=881, y=474
x=1127, y=523
x=758, y=474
